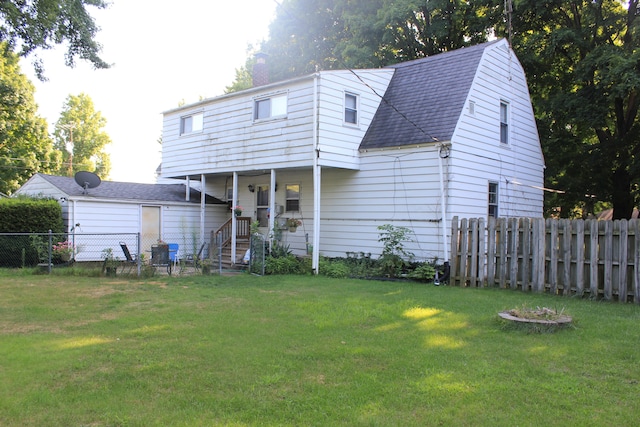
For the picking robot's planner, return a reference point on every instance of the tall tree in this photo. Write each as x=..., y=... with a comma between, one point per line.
x=333, y=34
x=28, y=25
x=80, y=137
x=25, y=146
x=582, y=58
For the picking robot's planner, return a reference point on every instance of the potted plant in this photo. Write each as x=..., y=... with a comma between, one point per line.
x=237, y=210
x=64, y=250
x=293, y=224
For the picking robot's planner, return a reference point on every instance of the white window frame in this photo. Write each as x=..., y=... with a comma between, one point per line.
x=275, y=106
x=504, y=122
x=493, y=197
x=191, y=123
x=355, y=110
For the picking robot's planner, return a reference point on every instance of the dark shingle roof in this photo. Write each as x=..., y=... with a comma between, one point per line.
x=424, y=99
x=129, y=191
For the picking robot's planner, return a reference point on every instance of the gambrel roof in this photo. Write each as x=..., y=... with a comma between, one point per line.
x=128, y=191
x=424, y=99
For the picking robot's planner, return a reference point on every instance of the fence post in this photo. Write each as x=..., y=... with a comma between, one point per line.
x=50, y=250
x=219, y=248
x=623, y=261
x=138, y=260
x=453, y=253
x=579, y=246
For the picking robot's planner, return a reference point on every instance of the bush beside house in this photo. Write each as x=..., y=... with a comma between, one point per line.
x=26, y=215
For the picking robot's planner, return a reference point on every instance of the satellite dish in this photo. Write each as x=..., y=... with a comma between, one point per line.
x=87, y=180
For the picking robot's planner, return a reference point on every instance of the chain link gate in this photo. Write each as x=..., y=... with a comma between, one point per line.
x=258, y=248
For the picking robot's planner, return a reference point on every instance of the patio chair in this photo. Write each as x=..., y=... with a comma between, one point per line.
x=196, y=260
x=129, y=261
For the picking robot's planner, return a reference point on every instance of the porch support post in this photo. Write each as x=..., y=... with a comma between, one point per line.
x=317, y=178
x=234, y=224
x=315, y=255
x=203, y=205
x=272, y=201
x=187, y=190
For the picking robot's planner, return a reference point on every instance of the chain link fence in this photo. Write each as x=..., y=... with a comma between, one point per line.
x=110, y=252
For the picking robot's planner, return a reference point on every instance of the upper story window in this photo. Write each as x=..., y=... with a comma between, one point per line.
x=191, y=124
x=504, y=122
x=266, y=108
x=493, y=199
x=292, y=198
x=351, y=108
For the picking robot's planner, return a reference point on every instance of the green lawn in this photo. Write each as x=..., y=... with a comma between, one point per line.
x=294, y=350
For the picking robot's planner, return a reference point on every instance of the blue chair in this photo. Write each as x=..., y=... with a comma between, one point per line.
x=174, y=254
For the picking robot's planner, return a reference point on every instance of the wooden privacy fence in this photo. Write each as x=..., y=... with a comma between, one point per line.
x=597, y=259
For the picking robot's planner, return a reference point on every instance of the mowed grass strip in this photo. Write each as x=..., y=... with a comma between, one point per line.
x=294, y=350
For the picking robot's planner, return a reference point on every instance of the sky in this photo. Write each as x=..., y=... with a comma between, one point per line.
x=163, y=53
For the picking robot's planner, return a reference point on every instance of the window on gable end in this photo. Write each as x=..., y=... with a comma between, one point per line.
x=351, y=108
x=504, y=122
x=191, y=124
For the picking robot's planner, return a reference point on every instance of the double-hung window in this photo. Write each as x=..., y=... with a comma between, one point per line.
x=351, y=108
x=493, y=199
x=191, y=123
x=272, y=107
x=292, y=202
x=504, y=122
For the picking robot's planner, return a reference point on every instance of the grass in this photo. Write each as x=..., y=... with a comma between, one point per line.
x=295, y=350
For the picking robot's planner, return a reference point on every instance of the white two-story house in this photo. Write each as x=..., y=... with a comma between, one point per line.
x=344, y=152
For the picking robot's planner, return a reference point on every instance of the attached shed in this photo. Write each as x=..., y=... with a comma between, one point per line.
x=167, y=212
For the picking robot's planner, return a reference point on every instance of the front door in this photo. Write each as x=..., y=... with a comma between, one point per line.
x=262, y=205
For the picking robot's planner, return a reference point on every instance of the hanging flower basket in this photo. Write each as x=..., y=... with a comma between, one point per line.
x=293, y=224
x=237, y=210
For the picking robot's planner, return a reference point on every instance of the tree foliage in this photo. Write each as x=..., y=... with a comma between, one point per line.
x=583, y=65
x=28, y=25
x=80, y=137
x=335, y=34
x=25, y=146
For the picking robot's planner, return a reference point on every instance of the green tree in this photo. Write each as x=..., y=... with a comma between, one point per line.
x=335, y=34
x=25, y=146
x=28, y=25
x=80, y=137
x=582, y=59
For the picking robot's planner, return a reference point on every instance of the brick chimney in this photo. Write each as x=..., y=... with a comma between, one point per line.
x=260, y=70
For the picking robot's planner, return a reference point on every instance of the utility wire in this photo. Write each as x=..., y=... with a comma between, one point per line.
x=346, y=67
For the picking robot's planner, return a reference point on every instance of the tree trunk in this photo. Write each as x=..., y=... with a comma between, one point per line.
x=622, y=197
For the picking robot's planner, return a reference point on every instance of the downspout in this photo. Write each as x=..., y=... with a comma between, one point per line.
x=233, y=218
x=203, y=205
x=272, y=201
x=443, y=153
x=317, y=175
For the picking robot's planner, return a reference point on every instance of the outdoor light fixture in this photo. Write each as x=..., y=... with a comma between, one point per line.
x=252, y=188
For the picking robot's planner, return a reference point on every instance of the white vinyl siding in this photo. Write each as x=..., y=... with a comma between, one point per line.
x=478, y=156
x=232, y=140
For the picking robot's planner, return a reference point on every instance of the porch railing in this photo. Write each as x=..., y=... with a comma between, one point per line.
x=243, y=227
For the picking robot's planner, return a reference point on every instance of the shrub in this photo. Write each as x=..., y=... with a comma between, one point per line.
x=394, y=257
x=337, y=269
x=424, y=272
x=282, y=265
